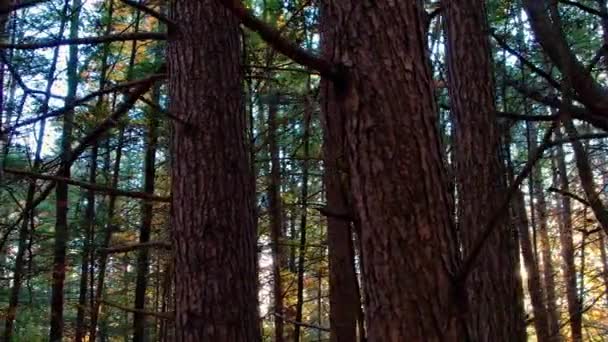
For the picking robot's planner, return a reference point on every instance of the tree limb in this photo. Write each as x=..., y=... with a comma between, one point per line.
x=162, y=315
x=87, y=40
x=135, y=246
x=284, y=46
x=170, y=23
x=88, y=186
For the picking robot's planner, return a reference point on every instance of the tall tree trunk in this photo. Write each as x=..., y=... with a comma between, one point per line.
x=568, y=265
x=61, y=222
x=213, y=216
x=87, y=257
x=477, y=147
x=147, y=214
x=24, y=232
x=275, y=209
x=535, y=286
x=303, y=218
x=585, y=173
x=543, y=230
x=396, y=171
x=344, y=297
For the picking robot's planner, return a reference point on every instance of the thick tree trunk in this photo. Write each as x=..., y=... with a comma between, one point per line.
x=396, y=170
x=568, y=265
x=477, y=147
x=213, y=220
x=61, y=221
x=275, y=209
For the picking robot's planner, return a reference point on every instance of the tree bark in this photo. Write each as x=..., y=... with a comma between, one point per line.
x=477, y=147
x=62, y=198
x=396, y=170
x=213, y=220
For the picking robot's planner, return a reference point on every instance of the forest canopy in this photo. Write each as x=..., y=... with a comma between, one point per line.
x=297, y=170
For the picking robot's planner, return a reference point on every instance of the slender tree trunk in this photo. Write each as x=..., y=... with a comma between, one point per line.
x=275, y=209
x=568, y=265
x=397, y=176
x=543, y=230
x=213, y=216
x=147, y=214
x=344, y=298
x=61, y=223
x=585, y=173
x=87, y=257
x=535, y=286
x=477, y=147
x=303, y=219
x=24, y=232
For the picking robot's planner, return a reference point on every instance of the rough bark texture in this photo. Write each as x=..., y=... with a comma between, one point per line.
x=395, y=166
x=494, y=283
x=568, y=265
x=213, y=221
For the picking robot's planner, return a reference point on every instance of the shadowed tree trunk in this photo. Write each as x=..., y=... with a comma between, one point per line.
x=275, y=209
x=568, y=265
x=344, y=297
x=213, y=220
x=147, y=215
x=477, y=147
x=61, y=221
x=543, y=230
x=303, y=217
x=396, y=170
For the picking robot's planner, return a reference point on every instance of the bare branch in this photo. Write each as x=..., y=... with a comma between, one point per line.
x=135, y=246
x=305, y=325
x=89, y=186
x=170, y=23
x=78, y=102
x=584, y=8
x=162, y=315
x=88, y=40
